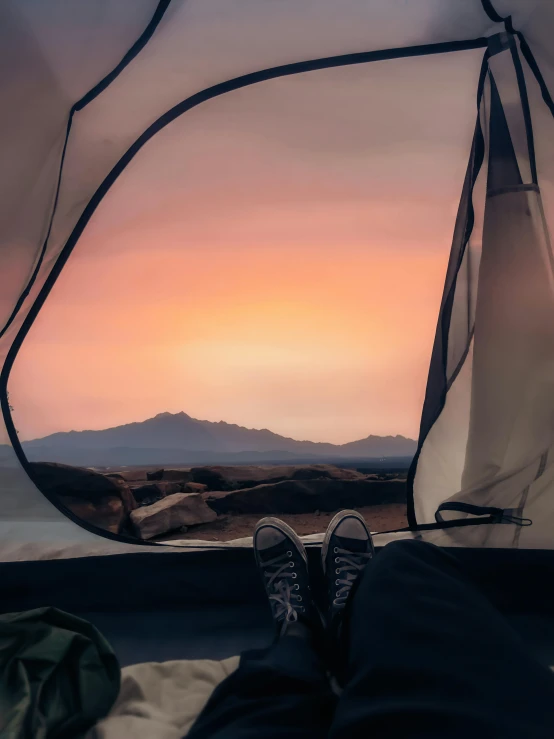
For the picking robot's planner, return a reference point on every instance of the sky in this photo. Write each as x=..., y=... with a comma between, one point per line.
x=275, y=258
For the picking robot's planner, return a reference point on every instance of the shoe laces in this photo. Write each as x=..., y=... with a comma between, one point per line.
x=352, y=563
x=279, y=573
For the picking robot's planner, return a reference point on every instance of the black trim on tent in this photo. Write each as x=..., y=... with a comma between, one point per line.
x=34, y=275
x=134, y=51
x=534, y=67
x=437, y=383
x=456, y=523
x=526, y=110
x=491, y=12
x=164, y=120
x=525, y=50
x=139, y=44
x=498, y=515
x=463, y=358
x=503, y=165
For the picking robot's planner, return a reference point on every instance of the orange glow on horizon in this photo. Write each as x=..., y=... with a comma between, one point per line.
x=288, y=339
x=274, y=259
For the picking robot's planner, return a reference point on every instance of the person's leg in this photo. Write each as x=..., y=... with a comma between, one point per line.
x=275, y=693
x=429, y=656
x=281, y=691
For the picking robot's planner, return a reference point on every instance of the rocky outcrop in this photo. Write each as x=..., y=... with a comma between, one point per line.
x=102, y=501
x=177, y=475
x=212, y=478
x=170, y=513
x=170, y=475
x=106, y=513
x=194, y=487
x=107, y=500
x=148, y=494
x=244, y=476
x=132, y=474
x=319, y=471
x=304, y=496
x=114, y=476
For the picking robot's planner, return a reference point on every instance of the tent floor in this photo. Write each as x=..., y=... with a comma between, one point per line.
x=216, y=634
x=191, y=633
x=211, y=604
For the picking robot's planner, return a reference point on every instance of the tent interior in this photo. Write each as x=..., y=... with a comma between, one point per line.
x=284, y=187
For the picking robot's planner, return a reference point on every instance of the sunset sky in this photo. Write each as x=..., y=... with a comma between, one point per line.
x=274, y=258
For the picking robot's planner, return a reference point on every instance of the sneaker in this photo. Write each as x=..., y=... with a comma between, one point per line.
x=283, y=564
x=347, y=548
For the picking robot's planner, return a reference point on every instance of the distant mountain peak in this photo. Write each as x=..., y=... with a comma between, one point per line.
x=177, y=438
x=168, y=414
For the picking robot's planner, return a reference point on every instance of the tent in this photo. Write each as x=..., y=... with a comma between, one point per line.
x=88, y=88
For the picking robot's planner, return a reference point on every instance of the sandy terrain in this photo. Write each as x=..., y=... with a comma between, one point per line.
x=378, y=517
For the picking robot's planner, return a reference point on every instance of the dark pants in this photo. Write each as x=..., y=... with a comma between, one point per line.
x=426, y=654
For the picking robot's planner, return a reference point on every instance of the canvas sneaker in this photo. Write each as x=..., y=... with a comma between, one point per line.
x=347, y=548
x=283, y=564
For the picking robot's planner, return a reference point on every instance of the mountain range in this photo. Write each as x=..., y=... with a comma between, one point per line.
x=178, y=439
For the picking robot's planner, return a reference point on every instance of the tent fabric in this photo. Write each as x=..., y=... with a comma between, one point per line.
x=69, y=542
x=58, y=674
x=506, y=386
x=83, y=85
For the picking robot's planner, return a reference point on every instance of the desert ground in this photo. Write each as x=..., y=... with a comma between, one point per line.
x=387, y=517
x=221, y=503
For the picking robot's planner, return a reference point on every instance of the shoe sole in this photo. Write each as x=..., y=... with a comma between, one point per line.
x=286, y=529
x=340, y=516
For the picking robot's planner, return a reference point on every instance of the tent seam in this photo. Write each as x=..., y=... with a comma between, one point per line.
x=135, y=49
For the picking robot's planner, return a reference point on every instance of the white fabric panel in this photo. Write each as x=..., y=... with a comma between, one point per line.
x=79, y=42
x=535, y=19
x=513, y=363
x=512, y=430
x=465, y=298
x=543, y=131
x=510, y=381
x=442, y=458
x=45, y=539
x=50, y=55
x=509, y=454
